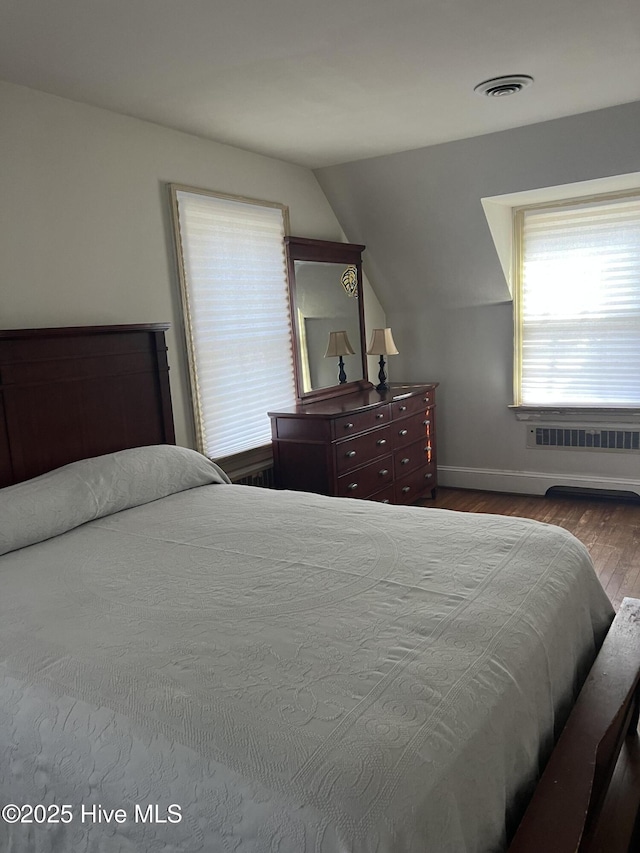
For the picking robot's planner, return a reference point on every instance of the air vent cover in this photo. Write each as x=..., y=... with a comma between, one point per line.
x=499, y=87
x=584, y=438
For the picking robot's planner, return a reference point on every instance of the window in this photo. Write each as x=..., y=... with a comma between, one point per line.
x=236, y=307
x=577, y=303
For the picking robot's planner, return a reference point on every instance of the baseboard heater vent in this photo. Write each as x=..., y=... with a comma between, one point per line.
x=584, y=438
x=599, y=494
x=263, y=479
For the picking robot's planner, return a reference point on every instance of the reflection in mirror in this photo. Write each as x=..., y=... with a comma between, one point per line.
x=326, y=293
x=340, y=346
x=324, y=307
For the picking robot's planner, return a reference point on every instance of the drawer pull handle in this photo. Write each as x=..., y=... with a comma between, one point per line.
x=426, y=423
x=350, y=454
x=428, y=448
x=404, y=461
x=406, y=489
x=381, y=441
x=383, y=472
x=428, y=476
x=348, y=426
x=426, y=400
x=352, y=486
x=380, y=415
x=403, y=408
x=403, y=432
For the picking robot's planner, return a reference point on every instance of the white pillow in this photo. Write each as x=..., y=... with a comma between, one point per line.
x=53, y=503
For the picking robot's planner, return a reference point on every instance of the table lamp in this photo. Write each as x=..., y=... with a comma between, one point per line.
x=338, y=346
x=382, y=344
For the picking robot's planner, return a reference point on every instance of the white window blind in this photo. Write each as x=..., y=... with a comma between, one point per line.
x=236, y=302
x=579, y=304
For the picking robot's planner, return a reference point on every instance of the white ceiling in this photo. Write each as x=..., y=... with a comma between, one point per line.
x=326, y=81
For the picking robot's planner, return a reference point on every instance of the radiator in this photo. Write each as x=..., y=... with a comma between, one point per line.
x=584, y=438
x=263, y=479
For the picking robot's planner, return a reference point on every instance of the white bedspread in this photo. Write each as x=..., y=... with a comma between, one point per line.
x=298, y=674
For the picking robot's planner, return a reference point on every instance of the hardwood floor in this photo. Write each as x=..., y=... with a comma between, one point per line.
x=609, y=528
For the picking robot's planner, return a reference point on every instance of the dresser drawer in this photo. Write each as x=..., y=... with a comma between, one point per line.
x=367, y=480
x=415, y=484
x=409, y=430
x=360, y=421
x=386, y=496
x=408, y=406
x=410, y=457
x=362, y=449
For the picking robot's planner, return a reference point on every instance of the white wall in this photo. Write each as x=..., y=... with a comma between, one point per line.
x=84, y=217
x=431, y=259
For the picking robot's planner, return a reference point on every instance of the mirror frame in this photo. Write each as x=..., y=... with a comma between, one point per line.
x=324, y=251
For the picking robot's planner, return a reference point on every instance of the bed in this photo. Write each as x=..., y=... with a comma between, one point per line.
x=191, y=665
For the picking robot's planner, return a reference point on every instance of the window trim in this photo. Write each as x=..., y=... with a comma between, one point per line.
x=534, y=412
x=247, y=462
x=247, y=458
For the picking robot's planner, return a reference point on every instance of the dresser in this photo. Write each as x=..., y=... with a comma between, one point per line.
x=367, y=444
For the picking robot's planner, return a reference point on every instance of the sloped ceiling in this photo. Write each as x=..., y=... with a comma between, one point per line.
x=421, y=216
x=326, y=82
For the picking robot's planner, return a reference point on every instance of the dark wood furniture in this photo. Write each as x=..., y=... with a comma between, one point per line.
x=71, y=393
x=108, y=386
x=575, y=808
x=331, y=259
x=368, y=444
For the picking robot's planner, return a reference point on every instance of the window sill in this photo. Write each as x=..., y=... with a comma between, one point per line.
x=247, y=463
x=573, y=414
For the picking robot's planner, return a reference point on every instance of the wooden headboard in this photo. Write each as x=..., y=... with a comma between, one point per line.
x=70, y=393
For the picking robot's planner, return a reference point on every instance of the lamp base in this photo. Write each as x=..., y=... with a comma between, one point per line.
x=342, y=376
x=382, y=376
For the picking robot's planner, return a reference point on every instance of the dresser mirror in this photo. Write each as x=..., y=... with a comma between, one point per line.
x=327, y=317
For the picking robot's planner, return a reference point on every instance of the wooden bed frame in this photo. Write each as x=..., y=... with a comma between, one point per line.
x=588, y=797
x=68, y=394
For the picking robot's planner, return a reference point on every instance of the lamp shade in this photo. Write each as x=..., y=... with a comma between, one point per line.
x=338, y=345
x=382, y=343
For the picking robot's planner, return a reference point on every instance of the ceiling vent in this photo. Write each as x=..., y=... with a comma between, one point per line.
x=500, y=87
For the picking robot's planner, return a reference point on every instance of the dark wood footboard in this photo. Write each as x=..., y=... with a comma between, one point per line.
x=588, y=797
